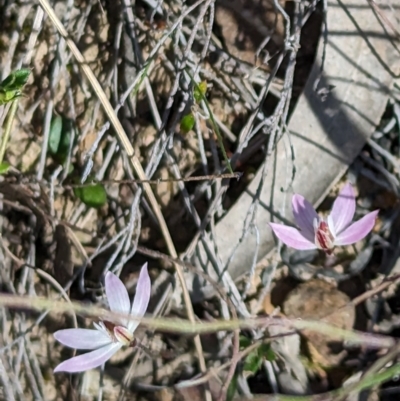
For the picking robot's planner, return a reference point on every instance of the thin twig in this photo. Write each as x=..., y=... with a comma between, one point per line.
x=211, y=177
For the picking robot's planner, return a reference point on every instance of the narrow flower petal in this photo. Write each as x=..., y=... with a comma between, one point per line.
x=357, y=230
x=82, y=338
x=343, y=209
x=292, y=237
x=88, y=361
x=304, y=215
x=142, y=297
x=117, y=295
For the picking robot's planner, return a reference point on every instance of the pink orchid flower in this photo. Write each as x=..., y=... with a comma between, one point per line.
x=107, y=338
x=317, y=233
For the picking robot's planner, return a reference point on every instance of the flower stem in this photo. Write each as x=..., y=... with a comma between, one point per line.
x=7, y=129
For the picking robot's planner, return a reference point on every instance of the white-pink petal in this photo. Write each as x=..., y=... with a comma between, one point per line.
x=82, y=338
x=89, y=360
x=292, y=237
x=142, y=297
x=343, y=210
x=304, y=215
x=117, y=295
x=358, y=230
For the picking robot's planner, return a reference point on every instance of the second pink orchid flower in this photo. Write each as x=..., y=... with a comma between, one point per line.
x=316, y=232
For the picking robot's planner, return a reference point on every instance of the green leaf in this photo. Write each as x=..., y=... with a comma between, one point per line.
x=11, y=86
x=55, y=134
x=187, y=123
x=255, y=358
x=93, y=195
x=244, y=342
x=200, y=91
x=20, y=78
x=16, y=80
x=252, y=363
x=67, y=135
x=8, y=96
x=266, y=352
x=62, y=131
x=4, y=167
x=232, y=388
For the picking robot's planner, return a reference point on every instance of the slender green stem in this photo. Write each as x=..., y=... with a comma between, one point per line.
x=7, y=129
x=184, y=326
x=213, y=123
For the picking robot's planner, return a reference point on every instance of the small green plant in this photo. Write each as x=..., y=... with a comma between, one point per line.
x=187, y=123
x=93, y=195
x=199, y=95
x=10, y=91
x=254, y=360
x=11, y=87
x=188, y=120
